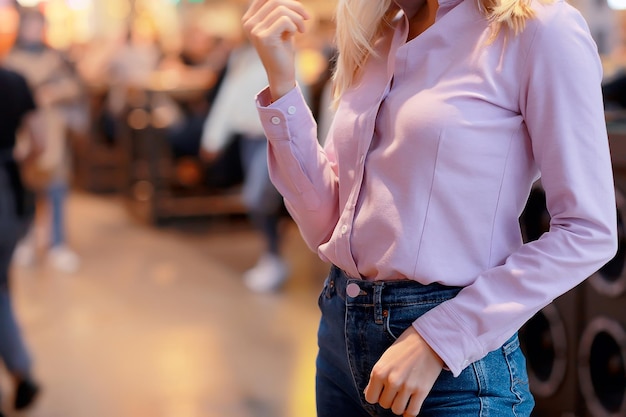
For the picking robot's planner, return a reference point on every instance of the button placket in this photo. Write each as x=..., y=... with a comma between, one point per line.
x=365, y=141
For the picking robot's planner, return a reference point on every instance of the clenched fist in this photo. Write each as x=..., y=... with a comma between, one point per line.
x=404, y=375
x=271, y=26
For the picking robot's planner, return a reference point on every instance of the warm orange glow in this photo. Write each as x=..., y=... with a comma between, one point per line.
x=117, y=9
x=8, y=28
x=311, y=63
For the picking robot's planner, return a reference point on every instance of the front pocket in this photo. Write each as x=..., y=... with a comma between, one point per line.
x=398, y=318
x=515, y=360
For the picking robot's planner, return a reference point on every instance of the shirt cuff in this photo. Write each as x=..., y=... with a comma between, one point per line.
x=285, y=117
x=445, y=333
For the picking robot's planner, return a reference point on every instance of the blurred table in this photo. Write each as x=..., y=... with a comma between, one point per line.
x=154, y=192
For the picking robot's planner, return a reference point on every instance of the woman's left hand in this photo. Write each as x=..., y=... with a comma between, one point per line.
x=404, y=375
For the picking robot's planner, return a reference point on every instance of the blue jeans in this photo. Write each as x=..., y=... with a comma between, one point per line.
x=13, y=351
x=355, y=332
x=57, y=196
x=259, y=194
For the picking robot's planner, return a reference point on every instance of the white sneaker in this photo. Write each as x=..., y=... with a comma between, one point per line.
x=269, y=274
x=25, y=254
x=63, y=259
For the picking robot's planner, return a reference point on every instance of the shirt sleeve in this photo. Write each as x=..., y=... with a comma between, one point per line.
x=302, y=171
x=561, y=103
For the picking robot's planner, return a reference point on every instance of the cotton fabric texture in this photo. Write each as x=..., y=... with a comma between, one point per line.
x=431, y=158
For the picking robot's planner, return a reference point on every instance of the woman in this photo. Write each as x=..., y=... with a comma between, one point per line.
x=16, y=209
x=447, y=113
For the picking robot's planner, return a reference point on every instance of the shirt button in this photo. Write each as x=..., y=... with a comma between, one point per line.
x=344, y=229
x=275, y=120
x=291, y=110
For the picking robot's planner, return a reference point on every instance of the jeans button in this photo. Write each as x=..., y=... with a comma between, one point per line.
x=353, y=290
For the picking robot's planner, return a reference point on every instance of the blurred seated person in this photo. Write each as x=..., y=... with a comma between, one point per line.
x=202, y=63
x=113, y=65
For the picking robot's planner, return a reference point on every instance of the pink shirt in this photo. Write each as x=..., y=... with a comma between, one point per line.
x=430, y=160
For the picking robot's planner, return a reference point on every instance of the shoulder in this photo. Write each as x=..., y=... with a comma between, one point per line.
x=558, y=33
x=557, y=47
x=555, y=18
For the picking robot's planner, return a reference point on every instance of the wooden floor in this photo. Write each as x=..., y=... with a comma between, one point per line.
x=157, y=322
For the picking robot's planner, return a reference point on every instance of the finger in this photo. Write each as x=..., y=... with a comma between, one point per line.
x=388, y=396
x=294, y=5
x=282, y=30
x=253, y=9
x=400, y=403
x=293, y=15
x=373, y=390
x=252, y=17
x=278, y=22
x=260, y=8
x=276, y=15
x=282, y=5
x=415, y=405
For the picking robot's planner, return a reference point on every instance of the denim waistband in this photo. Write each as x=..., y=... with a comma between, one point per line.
x=393, y=292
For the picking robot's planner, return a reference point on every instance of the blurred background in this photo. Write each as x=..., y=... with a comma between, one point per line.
x=132, y=288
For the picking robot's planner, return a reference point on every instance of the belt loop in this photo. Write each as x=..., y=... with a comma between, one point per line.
x=378, y=303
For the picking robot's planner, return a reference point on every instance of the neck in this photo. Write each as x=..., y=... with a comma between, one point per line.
x=410, y=7
x=423, y=18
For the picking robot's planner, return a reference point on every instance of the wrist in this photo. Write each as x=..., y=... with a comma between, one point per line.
x=278, y=90
x=434, y=354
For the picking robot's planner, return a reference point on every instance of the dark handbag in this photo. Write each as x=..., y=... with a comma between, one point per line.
x=226, y=171
x=24, y=197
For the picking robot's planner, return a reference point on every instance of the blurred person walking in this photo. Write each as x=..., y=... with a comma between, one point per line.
x=57, y=90
x=17, y=108
x=233, y=116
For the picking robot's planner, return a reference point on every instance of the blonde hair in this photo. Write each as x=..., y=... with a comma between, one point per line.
x=360, y=24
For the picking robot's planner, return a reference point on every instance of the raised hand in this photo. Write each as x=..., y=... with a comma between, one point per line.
x=271, y=26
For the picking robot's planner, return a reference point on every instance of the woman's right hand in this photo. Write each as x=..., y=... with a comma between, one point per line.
x=271, y=26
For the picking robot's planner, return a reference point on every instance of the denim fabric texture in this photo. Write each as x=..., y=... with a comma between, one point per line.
x=259, y=194
x=355, y=331
x=57, y=195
